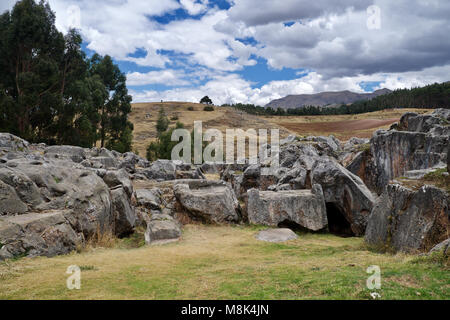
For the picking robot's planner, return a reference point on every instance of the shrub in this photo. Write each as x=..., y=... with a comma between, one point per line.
x=190, y=109
x=208, y=108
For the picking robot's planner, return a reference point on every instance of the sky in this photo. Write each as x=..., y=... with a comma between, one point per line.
x=254, y=51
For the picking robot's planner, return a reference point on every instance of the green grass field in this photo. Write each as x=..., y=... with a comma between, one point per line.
x=229, y=263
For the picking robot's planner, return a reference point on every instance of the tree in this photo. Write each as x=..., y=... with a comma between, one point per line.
x=31, y=49
x=162, y=147
x=206, y=100
x=162, y=124
x=50, y=92
x=115, y=129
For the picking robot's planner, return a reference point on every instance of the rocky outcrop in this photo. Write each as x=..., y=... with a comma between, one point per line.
x=53, y=202
x=124, y=212
x=208, y=201
x=420, y=142
x=276, y=235
x=409, y=220
x=305, y=208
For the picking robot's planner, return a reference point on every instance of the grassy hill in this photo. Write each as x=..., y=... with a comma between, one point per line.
x=145, y=115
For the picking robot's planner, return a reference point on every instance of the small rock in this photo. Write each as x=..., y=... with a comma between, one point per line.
x=276, y=235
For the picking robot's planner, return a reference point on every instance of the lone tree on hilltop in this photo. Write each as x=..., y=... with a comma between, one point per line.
x=206, y=100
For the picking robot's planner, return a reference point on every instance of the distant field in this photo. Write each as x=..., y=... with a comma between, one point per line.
x=227, y=262
x=145, y=115
x=343, y=126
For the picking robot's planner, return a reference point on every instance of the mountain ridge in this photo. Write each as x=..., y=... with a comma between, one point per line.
x=328, y=98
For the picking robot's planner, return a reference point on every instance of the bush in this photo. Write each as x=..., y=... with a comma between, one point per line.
x=174, y=118
x=208, y=108
x=162, y=148
x=190, y=108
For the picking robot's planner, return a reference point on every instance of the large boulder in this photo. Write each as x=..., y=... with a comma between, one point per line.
x=124, y=213
x=409, y=220
x=208, y=201
x=36, y=234
x=305, y=208
x=162, y=228
x=63, y=186
x=9, y=142
x=115, y=178
x=345, y=192
x=420, y=142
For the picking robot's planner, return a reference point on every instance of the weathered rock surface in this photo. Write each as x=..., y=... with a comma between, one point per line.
x=36, y=234
x=124, y=213
x=48, y=185
x=409, y=220
x=276, y=235
x=305, y=208
x=162, y=228
x=421, y=142
x=209, y=201
x=149, y=198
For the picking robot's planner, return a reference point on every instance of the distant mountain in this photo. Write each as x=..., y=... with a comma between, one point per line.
x=324, y=99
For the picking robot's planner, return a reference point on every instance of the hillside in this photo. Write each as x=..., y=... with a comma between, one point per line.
x=323, y=99
x=145, y=115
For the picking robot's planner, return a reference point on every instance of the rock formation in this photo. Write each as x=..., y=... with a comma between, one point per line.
x=409, y=220
x=55, y=198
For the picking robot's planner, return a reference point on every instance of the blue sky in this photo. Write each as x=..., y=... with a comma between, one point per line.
x=254, y=51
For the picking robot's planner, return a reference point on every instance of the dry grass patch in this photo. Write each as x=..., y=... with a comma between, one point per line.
x=223, y=263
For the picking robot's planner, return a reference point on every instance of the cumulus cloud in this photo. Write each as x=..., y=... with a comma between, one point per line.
x=168, y=77
x=260, y=12
x=203, y=52
x=337, y=42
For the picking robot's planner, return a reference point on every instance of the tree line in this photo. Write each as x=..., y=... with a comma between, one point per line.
x=51, y=92
x=429, y=97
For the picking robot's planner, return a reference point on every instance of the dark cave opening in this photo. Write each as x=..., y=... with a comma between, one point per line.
x=337, y=224
x=293, y=226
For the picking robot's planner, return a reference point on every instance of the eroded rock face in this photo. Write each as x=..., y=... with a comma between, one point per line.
x=124, y=213
x=209, y=201
x=302, y=207
x=346, y=191
x=37, y=234
x=409, y=220
x=420, y=142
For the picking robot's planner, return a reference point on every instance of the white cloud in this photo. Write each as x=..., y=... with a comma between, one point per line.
x=194, y=7
x=232, y=88
x=167, y=77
